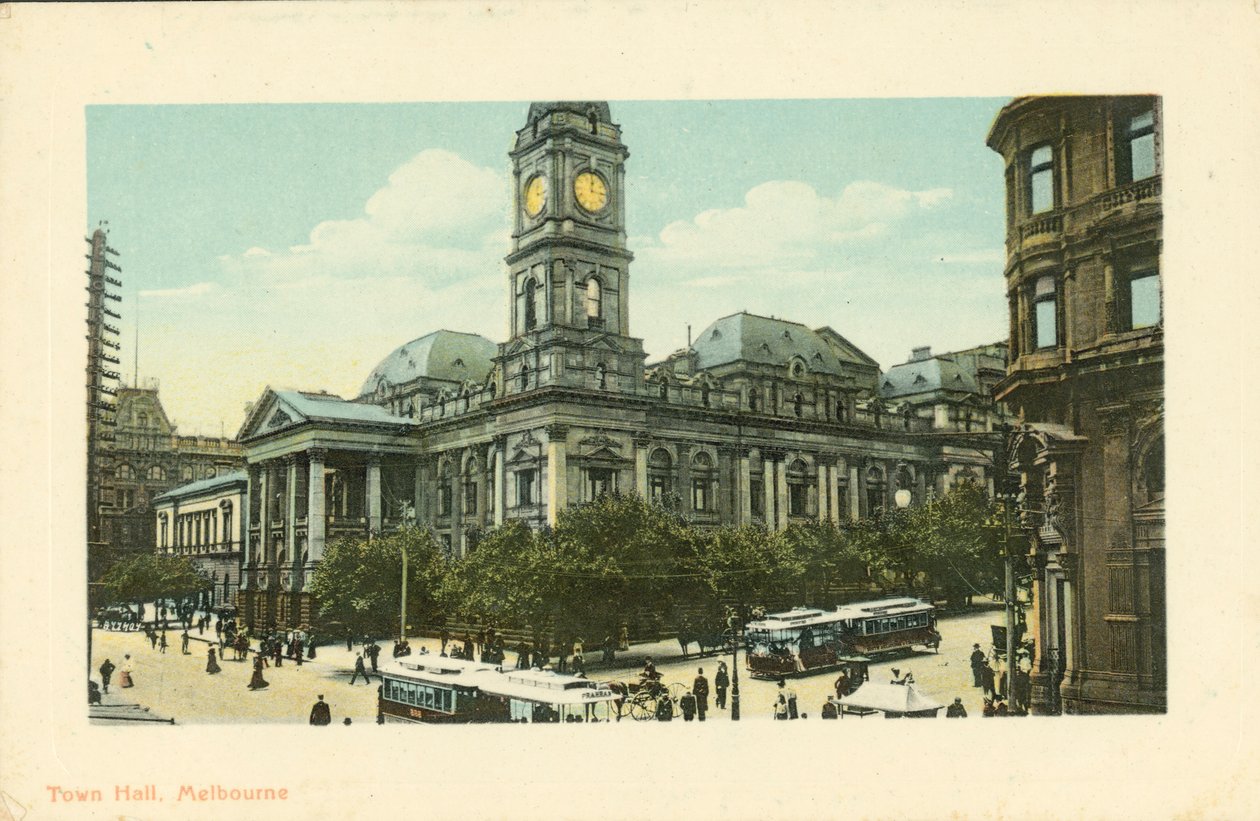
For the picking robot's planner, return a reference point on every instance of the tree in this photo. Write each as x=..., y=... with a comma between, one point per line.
x=151, y=576
x=504, y=579
x=827, y=556
x=359, y=582
x=962, y=542
x=750, y=566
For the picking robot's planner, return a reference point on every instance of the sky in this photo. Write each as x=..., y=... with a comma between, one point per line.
x=298, y=245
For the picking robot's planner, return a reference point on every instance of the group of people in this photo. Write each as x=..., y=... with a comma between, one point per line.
x=996, y=687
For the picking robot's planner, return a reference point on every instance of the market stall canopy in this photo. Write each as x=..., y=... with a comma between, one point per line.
x=890, y=698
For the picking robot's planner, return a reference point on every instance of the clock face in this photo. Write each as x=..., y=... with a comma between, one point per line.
x=591, y=191
x=535, y=195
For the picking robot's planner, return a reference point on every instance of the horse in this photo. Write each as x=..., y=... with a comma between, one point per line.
x=710, y=639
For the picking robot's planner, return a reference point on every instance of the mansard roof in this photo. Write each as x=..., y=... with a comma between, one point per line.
x=214, y=483
x=451, y=356
x=934, y=374
x=746, y=337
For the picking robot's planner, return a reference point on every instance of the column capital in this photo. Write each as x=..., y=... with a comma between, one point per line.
x=557, y=431
x=317, y=454
x=289, y=459
x=772, y=454
x=641, y=438
x=499, y=442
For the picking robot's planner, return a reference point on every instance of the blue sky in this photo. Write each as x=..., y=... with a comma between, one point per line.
x=297, y=245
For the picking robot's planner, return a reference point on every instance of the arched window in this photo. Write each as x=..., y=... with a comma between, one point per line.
x=524, y=376
x=186, y=474
x=702, y=482
x=664, y=389
x=660, y=465
x=842, y=410
x=531, y=307
x=798, y=488
x=1153, y=471
x=798, y=405
x=594, y=299
x=754, y=398
x=601, y=375
x=125, y=471
x=156, y=473
x=142, y=419
x=875, y=490
x=704, y=395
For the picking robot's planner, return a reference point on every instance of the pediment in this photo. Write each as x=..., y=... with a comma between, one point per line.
x=606, y=343
x=269, y=414
x=523, y=456
x=603, y=455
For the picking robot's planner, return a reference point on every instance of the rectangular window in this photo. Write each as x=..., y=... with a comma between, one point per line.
x=525, y=487
x=1041, y=179
x=757, y=495
x=1142, y=145
x=470, y=498
x=444, y=499
x=600, y=481
x=796, y=500
x=1144, y=302
x=842, y=497
x=658, y=486
x=1045, y=313
x=700, y=494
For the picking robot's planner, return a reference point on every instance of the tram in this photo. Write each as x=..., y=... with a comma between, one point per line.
x=804, y=640
x=438, y=690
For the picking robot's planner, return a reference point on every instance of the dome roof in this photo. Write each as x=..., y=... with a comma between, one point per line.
x=583, y=107
x=449, y=356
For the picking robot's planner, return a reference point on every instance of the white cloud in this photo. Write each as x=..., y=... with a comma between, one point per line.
x=785, y=224
x=187, y=292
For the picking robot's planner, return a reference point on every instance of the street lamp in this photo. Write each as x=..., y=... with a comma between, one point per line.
x=902, y=498
x=735, y=622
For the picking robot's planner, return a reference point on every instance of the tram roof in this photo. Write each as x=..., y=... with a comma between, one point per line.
x=542, y=686
x=437, y=666
x=807, y=616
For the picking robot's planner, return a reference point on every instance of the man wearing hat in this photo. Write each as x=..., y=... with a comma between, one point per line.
x=320, y=714
x=956, y=710
x=977, y=663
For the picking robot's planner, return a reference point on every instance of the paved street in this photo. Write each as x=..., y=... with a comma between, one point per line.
x=175, y=685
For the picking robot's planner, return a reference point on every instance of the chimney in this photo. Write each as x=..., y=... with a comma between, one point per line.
x=921, y=354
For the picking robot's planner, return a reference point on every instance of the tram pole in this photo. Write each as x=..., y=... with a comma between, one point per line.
x=735, y=621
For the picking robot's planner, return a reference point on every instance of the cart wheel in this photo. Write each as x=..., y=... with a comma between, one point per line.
x=675, y=692
x=643, y=708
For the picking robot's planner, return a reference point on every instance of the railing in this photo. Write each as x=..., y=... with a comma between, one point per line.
x=1049, y=224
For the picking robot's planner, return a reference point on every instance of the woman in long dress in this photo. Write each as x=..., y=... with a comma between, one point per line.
x=257, y=682
x=212, y=662
x=124, y=675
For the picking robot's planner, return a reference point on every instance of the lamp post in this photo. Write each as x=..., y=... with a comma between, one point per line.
x=735, y=621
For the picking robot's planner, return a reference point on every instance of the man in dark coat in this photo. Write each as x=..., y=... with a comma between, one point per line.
x=360, y=670
x=986, y=679
x=700, y=687
x=977, y=663
x=183, y=643
x=665, y=709
x=321, y=716
x=688, y=703
x=107, y=670
x=956, y=710
x=721, y=682
x=374, y=651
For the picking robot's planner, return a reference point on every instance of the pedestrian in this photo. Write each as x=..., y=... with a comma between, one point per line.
x=1000, y=709
x=310, y=643
x=446, y=638
x=781, y=708
x=623, y=637
x=789, y=697
x=297, y=644
x=256, y=681
x=360, y=670
x=721, y=681
x=956, y=710
x=277, y=651
x=162, y=645
x=107, y=670
x=212, y=662
x=987, y=712
x=842, y=684
x=321, y=716
x=468, y=646
x=977, y=665
x=688, y=704
x=829, y=710
x=665, y=708
x=201, y=625
x=986, y=679
x=700, y=688
x=125, y=678
x=152, y=632
x=374, y=651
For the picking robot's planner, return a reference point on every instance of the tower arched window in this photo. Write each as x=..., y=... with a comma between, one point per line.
x=842, y=410
x=524, y=376
x=531, y=307
x=663, y=389
x=594, y=299
x=798, y=405
x=754, y=398
x=705, y=395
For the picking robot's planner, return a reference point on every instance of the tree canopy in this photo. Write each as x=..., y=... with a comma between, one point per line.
x=150, y=576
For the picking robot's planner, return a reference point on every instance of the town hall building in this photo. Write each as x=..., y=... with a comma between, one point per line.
x=761, y=420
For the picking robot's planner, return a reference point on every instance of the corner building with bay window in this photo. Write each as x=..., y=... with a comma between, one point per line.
x=761, y=420
x=1086, y=382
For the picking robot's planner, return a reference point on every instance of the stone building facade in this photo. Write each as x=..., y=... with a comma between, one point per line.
x=205, y=521
x=759, y=421
x=1086, y=381
x=148, y=457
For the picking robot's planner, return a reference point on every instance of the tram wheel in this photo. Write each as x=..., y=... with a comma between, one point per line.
x=643, y=708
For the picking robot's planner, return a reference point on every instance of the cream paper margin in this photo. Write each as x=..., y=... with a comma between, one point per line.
x=1198, y=761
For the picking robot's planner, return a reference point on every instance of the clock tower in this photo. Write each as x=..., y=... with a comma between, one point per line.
x=568, y=269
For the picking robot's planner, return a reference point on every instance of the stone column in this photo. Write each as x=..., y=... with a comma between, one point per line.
x=316, y=520
x=290, y=508
x=557, y=471
x=744, y=488
x=722, y=487
x=767, y=486
x=781, y=492
x=684, y=475
x=374, y=494
x=855, y=493
x=833, y=493
x=641, y=442
x=500, y=478
x=825, y=501
x=264, y=514
x=457, y=504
